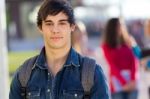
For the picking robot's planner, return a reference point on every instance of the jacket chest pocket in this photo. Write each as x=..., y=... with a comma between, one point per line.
x=72, y=94
x=33, y=94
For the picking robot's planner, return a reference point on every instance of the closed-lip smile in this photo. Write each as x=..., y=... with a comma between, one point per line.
x=57, y=37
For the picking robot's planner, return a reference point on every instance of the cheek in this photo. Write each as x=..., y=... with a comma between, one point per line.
x=46, y=31
x=68, y=36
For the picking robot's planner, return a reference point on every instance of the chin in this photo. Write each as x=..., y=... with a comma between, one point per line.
x=57, y=46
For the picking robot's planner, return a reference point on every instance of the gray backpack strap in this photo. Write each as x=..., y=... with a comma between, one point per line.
x=87, y=79
x=24, y=74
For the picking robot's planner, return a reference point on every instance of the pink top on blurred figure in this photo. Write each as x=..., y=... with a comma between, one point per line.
x=123, y=65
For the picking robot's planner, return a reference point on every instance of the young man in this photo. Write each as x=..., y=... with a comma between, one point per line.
x=56, y=73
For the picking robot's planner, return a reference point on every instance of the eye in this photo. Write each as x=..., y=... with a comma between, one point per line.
x=63, y=23
x=49, y=24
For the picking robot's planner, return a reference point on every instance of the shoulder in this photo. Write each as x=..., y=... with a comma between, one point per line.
x=100, y=78
x=24, y=65
x=99, y=73
x=100, y=86
x=91, y=63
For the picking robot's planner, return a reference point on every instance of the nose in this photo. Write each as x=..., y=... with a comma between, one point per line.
x=55, y=29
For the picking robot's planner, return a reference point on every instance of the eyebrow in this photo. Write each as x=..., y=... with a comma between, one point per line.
x=59, y=20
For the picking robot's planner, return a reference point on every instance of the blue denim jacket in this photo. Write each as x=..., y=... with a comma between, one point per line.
x=65, y=85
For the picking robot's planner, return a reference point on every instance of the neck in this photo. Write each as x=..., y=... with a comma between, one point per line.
x=56, y=58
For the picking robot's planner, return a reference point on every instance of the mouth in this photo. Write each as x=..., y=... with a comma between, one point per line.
x=56, y=38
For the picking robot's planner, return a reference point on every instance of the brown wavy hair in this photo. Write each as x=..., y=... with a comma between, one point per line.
x=53, y=7
x=111, y=34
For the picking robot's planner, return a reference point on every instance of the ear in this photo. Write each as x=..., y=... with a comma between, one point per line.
x=73, y=26
x=40, y=30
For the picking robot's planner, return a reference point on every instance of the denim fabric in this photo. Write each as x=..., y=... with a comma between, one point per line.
x=125, y=95
x=65, y=85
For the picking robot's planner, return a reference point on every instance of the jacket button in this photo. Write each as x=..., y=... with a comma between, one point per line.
x=75, y=95
x=29, y=94
x=48, y=90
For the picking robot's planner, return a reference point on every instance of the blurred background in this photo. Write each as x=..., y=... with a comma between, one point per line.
x=21, y=19
x=24, y=40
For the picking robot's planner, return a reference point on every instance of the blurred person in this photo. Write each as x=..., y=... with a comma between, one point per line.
x=123, y=65
x=56, y=72
x=147, y=35
x=81, y=45
x=137, y=31
x=79, y=40
x=147, y=52
x=147, y=40
x=130, y=40
x=141, y=53
x=147, y=28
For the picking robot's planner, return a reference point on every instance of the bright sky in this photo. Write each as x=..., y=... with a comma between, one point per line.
x=130, y=8
x=136, y=8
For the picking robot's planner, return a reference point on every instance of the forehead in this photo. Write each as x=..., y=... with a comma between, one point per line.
x=57, y=17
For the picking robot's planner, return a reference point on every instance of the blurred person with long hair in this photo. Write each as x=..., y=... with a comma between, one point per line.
x=79, y=40
x=123, y=65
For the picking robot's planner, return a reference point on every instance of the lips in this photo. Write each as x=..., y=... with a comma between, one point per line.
x=56, y=38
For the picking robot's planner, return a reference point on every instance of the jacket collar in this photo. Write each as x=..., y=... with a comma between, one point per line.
x=72, y=59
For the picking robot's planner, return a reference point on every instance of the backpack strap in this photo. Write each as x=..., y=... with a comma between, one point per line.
x=24, y=74
x=87, y=78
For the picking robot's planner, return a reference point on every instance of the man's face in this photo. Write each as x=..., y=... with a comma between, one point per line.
x=56, y=31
